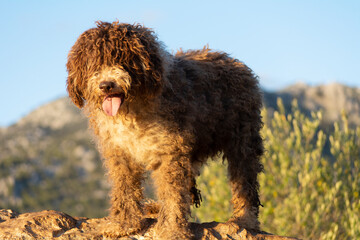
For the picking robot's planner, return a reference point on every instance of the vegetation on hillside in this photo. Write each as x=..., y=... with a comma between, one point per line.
x=55, y=169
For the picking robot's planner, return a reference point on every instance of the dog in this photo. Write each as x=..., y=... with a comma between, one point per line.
x=166, y=113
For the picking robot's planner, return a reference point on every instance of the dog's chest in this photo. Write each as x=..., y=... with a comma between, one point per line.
x=144, y=144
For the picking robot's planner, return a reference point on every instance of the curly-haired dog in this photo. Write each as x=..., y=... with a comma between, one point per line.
x=151, y=110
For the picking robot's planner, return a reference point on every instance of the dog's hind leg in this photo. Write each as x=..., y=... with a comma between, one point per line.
x=173, y=179
x=243, y=167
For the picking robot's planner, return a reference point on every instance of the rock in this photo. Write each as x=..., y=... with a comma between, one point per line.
x=57, y=225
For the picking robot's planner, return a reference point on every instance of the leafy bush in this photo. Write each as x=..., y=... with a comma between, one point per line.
x=310, y=188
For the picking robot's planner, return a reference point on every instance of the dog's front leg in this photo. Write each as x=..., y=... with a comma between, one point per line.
x=126, y=196
x=172, y=180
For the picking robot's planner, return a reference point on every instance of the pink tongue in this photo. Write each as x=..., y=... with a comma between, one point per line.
x=111, y=105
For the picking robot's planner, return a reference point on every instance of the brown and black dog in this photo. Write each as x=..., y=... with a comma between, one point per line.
x=153, y=111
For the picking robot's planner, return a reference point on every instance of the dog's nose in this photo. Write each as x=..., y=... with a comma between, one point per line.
x=106, y=86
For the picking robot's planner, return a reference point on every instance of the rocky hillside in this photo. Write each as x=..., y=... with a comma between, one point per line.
x=48, y=161
x=332, y=99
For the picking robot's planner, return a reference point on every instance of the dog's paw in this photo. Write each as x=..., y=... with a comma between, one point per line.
x=115, y=229
x=168, y=233
x=174, y=236
x=250, y=224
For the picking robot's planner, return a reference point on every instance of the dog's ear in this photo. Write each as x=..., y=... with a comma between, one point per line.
x=74, y=83
x=79, y=68
x=142, y=56
x=153, y=63
x=75, y=93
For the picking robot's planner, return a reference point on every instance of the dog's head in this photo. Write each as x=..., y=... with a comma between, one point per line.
x=113, y=63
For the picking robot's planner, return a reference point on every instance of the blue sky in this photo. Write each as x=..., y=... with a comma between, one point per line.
x=284, y=42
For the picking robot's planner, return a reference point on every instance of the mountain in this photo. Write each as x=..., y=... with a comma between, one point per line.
x=331, y=99
x=48, y=160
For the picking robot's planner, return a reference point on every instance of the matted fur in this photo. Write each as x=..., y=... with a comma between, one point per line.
x=177, y=111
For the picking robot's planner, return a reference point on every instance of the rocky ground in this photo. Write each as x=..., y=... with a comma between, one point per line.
x=58, y=225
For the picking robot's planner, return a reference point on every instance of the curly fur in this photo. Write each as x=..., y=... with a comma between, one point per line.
x=177, y=111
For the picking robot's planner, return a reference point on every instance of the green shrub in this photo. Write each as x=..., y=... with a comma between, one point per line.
x=308, y=190
x=304, y=193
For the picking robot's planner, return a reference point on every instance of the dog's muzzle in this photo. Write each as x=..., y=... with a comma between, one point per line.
x=112, y=100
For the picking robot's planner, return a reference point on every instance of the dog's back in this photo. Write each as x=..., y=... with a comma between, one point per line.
x=211, y=95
